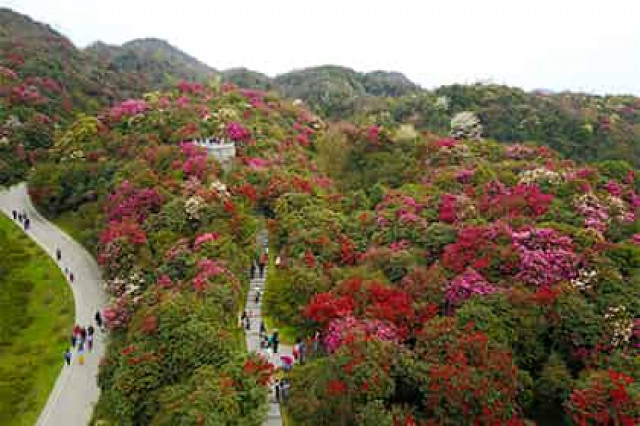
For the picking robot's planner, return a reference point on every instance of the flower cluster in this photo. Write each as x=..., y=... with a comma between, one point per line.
x=466, y=125
x=128, y=108
x=620, y=324
x=545, y=257
x=344, y=330
x=541, y=175
x=470, y=283
x=237, y=132
x=194, y=206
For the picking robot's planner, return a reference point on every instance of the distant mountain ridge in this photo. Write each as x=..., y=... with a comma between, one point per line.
x=155, y=61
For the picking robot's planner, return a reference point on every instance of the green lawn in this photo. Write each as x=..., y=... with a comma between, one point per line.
x=36, y=316
x=81, y=225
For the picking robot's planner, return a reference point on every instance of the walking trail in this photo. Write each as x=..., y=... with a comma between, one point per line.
x=76, y=390
x=274, y=417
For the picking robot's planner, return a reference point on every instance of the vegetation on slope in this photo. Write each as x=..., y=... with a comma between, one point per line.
x=36, y=315
x=409, y=252
x=155, y=63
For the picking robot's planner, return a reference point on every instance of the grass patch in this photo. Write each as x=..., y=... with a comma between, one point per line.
x=82, y=225
x=287, y=333
x=36, y=315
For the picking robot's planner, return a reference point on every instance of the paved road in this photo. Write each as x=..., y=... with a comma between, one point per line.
x=76, y=390
x=253, y=340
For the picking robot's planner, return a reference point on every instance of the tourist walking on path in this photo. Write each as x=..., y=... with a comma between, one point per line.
x=14, y=214
x=74, y=338
x=81, y=356
x=275, y=341
x=58, y=254
x=20, y=217
x=27, y=223
x=90, y=342
x=253, y=270
x=257, y=299
x=262, y=263
x=71, y=276
x=67, y=356
x=98, y=319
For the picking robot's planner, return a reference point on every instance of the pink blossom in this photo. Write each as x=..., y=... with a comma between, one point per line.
x=205, y=238
x=613, y=188
x=469, y=283
x=257, y=163
x=128, y=108
x=237, y=132
x=465, y=175
x=182, y=102
x=8, y=73
x=545, y=257
x=342, y=330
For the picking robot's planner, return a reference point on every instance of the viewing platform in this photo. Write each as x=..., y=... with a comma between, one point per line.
x=222, y=149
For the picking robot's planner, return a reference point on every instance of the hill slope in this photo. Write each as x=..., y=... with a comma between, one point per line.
x=152, y=61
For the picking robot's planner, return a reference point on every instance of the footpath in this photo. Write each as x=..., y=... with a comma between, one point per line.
x=252, y=335
x=76, y=390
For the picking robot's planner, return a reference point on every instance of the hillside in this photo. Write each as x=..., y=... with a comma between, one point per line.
x=44, y=82
x=154, y=62
x=333, y=90
x=410, y=253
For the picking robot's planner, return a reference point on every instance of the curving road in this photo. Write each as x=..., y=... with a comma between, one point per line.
x=76, y=390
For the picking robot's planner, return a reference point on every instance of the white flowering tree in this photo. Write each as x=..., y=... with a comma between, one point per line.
x=466, y=125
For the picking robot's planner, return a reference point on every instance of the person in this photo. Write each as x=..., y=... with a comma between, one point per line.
x=263, y=329
x=81, y=356
x=73, y=340
x=285, y=385
x=264, y=343
x=316, y=341
x=98, y=319
x=14, y=214
x=90, y=330
x=58, y=254
x=275, y=341
x=66, y=271
x=90, y=342
x=27, y=222
x=247, y=323
x=67, y=356
x=71, y=276
x=277, y=390
x=253, y=270
x=243, y=318
x=83, y=336
x=262, y=263
x=302, y=347
x=257, y=300
x=20, y=217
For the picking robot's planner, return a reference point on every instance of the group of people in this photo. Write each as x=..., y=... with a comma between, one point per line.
x=22, y=218
x=259, y=264
x=282, y=388
x=82, y=337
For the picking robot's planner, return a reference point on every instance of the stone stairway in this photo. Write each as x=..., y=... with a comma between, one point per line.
x=254, y=310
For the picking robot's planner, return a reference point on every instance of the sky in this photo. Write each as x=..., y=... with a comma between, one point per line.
x=579, y=45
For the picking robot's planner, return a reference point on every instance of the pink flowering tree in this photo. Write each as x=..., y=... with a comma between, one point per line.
x=466, y=285
x=545, y=257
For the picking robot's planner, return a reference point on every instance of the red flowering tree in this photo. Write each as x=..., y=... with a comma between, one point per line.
x=467, y=379
x=605, y=398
